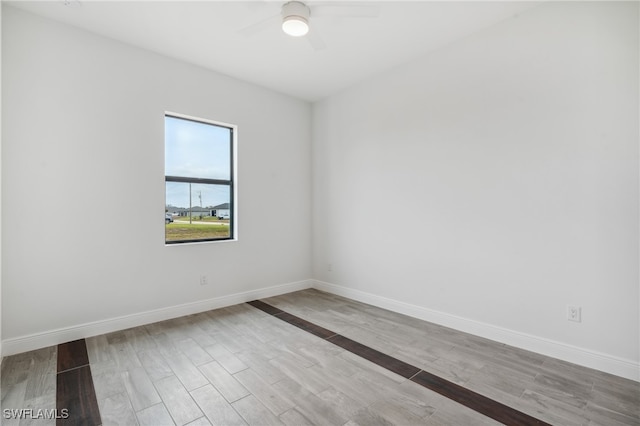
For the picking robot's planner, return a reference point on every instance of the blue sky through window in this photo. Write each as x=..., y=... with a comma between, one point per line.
x=196, y=150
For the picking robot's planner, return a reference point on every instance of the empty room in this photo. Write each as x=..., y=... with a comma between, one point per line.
x=376, y=213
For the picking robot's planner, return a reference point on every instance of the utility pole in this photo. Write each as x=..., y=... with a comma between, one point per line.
x=190, y=214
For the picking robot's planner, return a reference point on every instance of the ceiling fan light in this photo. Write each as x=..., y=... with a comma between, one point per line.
x=295, y=26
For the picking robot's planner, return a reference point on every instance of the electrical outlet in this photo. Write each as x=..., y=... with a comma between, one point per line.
x=574, y=313
x=329, y=267
x=203, y=280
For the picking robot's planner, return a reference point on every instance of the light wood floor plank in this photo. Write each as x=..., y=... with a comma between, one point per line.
x=177, y=400
x=155, y=364
x=156, y=415
x=216, y=407
x=308, y=404
x=184, y=369
x=309, y=379
x=13, y=398
x=255, y=413
x=261, y=366
x=116, y=410
x=264, y=392
x=294, y=418
x=108, y=384
x=224, y=382
x=193, y=351
x=344, y=406
x=202, y=421
x=140, y=389
x=225, y=358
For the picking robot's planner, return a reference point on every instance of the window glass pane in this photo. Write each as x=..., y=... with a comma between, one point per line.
x=197, y=150
x=197, y=211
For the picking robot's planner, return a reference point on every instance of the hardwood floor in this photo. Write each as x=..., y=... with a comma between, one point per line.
x=308, y=358
x=466, y=397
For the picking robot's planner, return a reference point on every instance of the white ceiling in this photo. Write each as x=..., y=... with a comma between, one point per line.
x=207, y=33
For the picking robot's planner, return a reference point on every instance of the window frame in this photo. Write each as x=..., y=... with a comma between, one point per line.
x=231, y=182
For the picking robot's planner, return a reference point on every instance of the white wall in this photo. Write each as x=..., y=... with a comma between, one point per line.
x=84, y=131
x=493, y=182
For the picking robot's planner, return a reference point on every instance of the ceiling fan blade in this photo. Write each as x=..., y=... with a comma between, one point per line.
x=315, y=40
x=261, y=25
x=255, y=5
x=348, y=11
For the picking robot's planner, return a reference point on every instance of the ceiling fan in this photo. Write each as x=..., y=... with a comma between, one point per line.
x=296, y=16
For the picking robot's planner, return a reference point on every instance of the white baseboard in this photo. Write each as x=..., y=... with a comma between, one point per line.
x=599, y=361
x=576, y=355
x=62, y=335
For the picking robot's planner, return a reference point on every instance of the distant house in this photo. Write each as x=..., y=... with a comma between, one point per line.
x=221, y=210
x=196, y=211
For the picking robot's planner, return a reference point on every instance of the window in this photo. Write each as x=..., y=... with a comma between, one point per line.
x=199, y=180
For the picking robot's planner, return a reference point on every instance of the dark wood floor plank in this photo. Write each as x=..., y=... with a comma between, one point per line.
x=306, y=325
x=490, y=408
x=292, y=319
x=72, y=355
x=272, y=310
x=390, y=363
x=76, y=394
